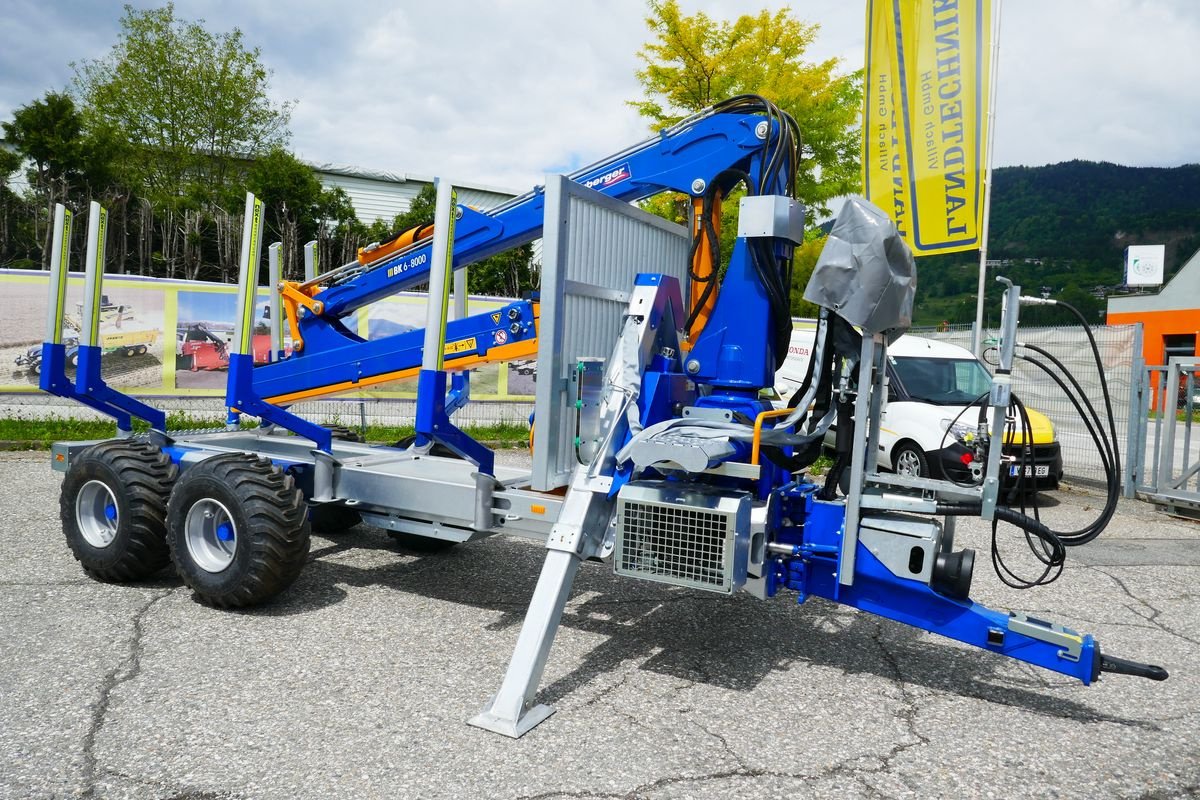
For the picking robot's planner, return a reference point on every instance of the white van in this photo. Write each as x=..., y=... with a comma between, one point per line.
x=930, y=383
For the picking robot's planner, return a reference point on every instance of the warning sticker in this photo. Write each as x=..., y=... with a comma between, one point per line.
x=496, y=318
x=500, y=337
x=461, y=346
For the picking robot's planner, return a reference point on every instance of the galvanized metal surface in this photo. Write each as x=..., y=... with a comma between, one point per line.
x=1164, y=464
x=594, y=249
x=683, y=535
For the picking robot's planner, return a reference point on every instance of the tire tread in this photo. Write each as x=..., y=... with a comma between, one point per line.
x=277, y=528
x=147, y=474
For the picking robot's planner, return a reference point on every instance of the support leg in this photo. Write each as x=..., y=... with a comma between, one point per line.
x=511, y=712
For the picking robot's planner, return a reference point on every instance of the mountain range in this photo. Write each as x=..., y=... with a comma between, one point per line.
x=1062, y=229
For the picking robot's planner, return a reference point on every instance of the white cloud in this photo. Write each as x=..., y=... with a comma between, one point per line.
x=500, y=92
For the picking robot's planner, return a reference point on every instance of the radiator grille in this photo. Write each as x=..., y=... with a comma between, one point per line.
x=682, y=543
x=683, y=534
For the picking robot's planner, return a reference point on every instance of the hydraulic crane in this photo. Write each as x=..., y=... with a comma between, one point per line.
x=659, y=455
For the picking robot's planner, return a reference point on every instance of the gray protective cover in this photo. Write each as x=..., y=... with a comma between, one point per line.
x=866, y=274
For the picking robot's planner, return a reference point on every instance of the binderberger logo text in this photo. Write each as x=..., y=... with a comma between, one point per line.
x=609, y=178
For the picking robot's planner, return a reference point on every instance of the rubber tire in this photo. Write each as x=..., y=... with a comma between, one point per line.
x=139, y=475
x=73, y=359
x=332, y=518
x=345, y=434
x=909, y=447
x=271, y=519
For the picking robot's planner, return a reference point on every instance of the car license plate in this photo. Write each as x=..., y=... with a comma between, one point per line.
x=1040, y=471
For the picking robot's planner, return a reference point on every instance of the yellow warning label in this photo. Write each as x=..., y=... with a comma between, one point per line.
x=461, y=346
x=496, y=318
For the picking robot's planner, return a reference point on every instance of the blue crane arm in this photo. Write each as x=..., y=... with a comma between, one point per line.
x=686, y=158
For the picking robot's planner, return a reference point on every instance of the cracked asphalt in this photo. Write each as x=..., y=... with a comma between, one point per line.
x=356, y=682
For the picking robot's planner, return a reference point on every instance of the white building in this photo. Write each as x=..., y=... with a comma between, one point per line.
x=383, y=195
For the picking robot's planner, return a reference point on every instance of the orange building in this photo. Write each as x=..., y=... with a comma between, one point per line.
x=1170, y=319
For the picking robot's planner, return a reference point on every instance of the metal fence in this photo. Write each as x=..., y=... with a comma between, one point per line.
x=1164, y=463
x=1120, y=349
x=350, y=412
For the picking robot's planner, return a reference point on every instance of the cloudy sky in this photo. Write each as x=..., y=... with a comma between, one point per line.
x=502, y=91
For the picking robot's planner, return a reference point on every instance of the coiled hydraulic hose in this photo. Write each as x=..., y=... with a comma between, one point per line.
x=1046, y=544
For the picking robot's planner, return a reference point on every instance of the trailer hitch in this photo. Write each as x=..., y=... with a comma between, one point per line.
x=1123, y=666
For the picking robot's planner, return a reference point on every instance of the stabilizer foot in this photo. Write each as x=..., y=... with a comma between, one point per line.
x=504, y=726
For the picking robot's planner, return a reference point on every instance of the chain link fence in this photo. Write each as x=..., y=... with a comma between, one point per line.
x=350, y=412
x=1120, y=349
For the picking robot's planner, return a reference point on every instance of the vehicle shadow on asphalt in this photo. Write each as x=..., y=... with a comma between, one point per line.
x=698, y=637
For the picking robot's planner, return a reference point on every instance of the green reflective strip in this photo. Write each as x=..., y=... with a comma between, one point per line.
x=96, y=291
x=441, y=351
x=251, y=280
x=64, y=263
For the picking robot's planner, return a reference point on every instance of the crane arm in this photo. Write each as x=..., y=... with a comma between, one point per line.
x=687, y=158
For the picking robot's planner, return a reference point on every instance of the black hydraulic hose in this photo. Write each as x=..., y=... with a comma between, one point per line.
x=709, y=231
x=722, y=183
x=1114, y=450
x=1087, y=329
x=953, y=422
x=1005, y=515
x=1092, y=423
x=780, y=306
x=843, y=447
x=1057, y=552
x=775, y=118
x=1089, y=532
x=1041, y=547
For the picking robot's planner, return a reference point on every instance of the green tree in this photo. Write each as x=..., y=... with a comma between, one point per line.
x=11, y=206
x=48, y=133
x=291, y=195
x=191, y=104
x=696, y=61
x=300, y=209
x=180, y=114
x=803, y=261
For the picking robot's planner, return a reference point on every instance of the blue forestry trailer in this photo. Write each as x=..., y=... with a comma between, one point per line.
x=656, y=447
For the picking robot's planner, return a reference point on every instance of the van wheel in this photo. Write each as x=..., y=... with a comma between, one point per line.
x=909, y=460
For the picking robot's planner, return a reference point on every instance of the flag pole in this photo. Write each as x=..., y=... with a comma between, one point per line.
x=977, y=333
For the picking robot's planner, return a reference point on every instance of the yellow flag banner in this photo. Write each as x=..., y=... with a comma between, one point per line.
x=885, y=174
x=925, y=131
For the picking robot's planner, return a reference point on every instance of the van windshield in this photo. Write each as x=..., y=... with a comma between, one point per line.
x=943, y=381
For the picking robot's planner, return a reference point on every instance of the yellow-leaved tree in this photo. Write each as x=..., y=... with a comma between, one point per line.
x=695, y=61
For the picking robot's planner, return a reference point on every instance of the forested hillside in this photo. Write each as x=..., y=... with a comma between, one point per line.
x=1065, y=227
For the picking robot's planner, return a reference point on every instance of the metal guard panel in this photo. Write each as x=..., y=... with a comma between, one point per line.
x=683, y=534
x=594, y=248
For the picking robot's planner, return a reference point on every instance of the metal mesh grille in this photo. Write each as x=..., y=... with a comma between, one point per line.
x=675, y=544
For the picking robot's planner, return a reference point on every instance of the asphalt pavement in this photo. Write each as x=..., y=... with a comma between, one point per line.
x=357, y=682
